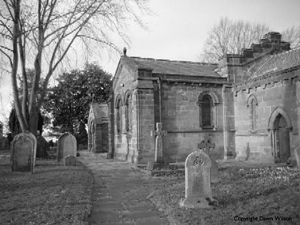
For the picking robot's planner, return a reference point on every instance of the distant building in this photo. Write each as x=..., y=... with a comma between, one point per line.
x=98, y=128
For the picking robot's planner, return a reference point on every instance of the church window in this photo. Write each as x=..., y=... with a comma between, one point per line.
x=252, y=104
x=253, y=114
x=207, y=110
x=119, y=116
x=128, y=113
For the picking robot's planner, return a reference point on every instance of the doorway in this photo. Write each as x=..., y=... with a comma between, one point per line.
x=282, y=139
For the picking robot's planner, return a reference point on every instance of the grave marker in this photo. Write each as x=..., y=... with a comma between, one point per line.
x=23, y=152
x=66, y=146
x=198, y=192
x=206, y=146
x=158, y=154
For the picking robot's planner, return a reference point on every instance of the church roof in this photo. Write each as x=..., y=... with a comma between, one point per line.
x=162, y=66
x=278, y=62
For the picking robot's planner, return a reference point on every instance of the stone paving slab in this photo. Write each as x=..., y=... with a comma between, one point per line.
x=120, y=193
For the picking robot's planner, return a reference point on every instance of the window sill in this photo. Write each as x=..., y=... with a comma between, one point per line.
x=208, y=128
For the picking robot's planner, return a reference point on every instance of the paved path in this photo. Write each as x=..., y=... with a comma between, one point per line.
x=120, y=193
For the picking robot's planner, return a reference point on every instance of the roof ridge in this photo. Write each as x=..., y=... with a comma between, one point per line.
x=174, y=61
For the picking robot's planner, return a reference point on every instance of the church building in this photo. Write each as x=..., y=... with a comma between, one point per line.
x=247, y=105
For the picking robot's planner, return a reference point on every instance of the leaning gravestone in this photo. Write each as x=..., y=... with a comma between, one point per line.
x=23, y=152
x=198, y=192
x=66, y=146
x=206, y=146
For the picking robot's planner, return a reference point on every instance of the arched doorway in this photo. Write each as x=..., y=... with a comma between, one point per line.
x=281, y=139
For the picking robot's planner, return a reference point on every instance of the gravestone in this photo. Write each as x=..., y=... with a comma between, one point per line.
x=206, y=146
x=198, y=192
x=70, y=160
x=66, y=146
x=158, y=154
x=23, y=152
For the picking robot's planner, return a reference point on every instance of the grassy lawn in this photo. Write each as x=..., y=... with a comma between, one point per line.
x=54, y=194
x=245, y=196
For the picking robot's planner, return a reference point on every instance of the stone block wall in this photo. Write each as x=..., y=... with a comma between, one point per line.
x=271, y=96
x=180, y=118
x=122, y=144
x=145, y=120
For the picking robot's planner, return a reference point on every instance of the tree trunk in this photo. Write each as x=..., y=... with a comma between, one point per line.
x=33, y=121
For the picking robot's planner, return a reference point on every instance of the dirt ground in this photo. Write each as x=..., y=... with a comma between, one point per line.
x=54, y=194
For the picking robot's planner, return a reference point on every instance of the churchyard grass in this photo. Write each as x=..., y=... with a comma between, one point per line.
x=246, y=196
x=53, y=194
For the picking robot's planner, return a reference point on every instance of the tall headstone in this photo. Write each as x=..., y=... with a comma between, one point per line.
x=23, y=152
x=66, y=146
x=198, y=192
x=158, y=154
x=206, y=145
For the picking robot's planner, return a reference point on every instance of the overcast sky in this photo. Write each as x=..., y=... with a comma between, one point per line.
x=178, y=29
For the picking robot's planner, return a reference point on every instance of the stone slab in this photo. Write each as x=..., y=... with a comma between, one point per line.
x=23, y=152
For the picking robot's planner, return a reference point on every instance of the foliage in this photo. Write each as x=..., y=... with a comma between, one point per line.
x=231, y=37
x=43, y=34
x=292, y=35
x=228, y=36
x=81, y=135
x=14, y=125
x=69, y=101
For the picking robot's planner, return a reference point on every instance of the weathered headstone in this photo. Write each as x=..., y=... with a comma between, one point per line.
x=198, y=192
x=66, y=146
x=70, y=160
x=206, y=146
x=158, y=155
x=23, y=152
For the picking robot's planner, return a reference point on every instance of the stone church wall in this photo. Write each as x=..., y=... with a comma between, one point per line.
x=180, y=118
x=257, y=144
x=124, y=144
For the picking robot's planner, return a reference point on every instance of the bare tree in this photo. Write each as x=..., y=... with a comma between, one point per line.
x=292, y=35
x=40, y=34
x=230, y=37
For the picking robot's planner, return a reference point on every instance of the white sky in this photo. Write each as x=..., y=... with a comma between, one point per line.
x=178, y=29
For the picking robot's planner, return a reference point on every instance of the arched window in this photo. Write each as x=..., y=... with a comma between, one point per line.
x=253, y=114
x=128, y=113
x=208, y=102
x=118, y=116
x=252, y=103
x=206, y=111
